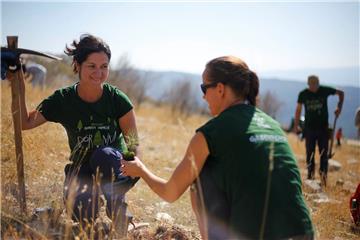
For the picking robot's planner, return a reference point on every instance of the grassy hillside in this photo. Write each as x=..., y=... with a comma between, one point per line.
x=163, y=138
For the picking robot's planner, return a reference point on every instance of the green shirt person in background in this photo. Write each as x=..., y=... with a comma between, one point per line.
x=243, y=175
x=314, y=100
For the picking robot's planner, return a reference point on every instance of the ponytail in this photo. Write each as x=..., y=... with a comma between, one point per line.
x=253, y=88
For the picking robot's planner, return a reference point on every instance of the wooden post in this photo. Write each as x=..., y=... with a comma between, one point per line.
x=16, y=114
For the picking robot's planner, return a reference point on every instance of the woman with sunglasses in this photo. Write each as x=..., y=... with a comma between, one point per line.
x=244, y=178
x=99, y=120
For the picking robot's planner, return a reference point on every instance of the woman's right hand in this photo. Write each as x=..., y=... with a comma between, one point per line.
x=133, y=168
x=10, y=77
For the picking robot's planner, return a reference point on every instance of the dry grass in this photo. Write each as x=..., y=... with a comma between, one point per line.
x=332, y=220
x=163, y=139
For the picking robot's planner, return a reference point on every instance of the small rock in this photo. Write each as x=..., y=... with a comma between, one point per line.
x=162, y=204
x=349, y=186
x=149, y=209
x=42, y=213
x=353, y=174
x=352, y=161
x=164, y=217
x=355, y=143
x=312, y=185
x=322, y=198
x=334, y=165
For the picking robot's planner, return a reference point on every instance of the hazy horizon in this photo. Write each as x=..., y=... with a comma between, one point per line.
x=176, y=36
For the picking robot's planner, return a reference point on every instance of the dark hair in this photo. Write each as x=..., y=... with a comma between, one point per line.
x=234, y=72
x=313, y=77
x=81, y=50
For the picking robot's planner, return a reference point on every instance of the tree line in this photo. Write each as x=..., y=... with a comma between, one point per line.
x=180, y=97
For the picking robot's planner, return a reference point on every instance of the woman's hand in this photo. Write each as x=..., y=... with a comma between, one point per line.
x=133, y=168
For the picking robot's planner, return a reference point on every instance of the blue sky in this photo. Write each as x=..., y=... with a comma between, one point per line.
x=269, y=36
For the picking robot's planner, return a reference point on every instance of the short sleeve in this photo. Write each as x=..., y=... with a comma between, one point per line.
x=123, y=103
x=51, y=107
x=329, y=90
x=301, y=97
x=209, y=133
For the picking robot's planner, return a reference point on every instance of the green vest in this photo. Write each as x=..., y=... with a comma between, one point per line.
x=316, y=109
x=241, y=140
x=88, y=125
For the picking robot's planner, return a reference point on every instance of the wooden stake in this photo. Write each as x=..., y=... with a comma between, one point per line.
x=16, y=114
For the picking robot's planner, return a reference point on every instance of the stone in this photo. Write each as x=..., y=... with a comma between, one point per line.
x=162, y=204
x=352, y=161
x=334, y=165
x=312, y=185
x=349, y=186
x=164, y=217
x=321, y=198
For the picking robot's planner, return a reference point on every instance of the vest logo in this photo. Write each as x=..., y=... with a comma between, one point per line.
x=267, y=138
x=260, y=121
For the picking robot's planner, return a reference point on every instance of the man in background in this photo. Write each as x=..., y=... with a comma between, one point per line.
x=36, y=74
x=314, y=99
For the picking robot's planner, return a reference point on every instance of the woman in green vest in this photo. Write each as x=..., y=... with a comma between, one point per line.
x=239, y=165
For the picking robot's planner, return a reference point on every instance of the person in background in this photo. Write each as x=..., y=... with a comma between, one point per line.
x=242, y=173
x=36, y=74
x=100, y=124
x=300, y=133
x=314, y=98
x=339, y=136
x=357, y=121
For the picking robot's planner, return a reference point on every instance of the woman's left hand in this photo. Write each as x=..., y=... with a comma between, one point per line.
x=133, y=168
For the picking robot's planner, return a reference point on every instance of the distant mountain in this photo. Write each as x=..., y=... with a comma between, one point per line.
x=285, y=90
x=347, y=76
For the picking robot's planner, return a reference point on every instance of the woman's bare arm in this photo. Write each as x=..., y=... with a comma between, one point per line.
x=183, y=176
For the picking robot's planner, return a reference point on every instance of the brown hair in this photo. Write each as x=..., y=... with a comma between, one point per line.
x=312, y=78
x=235, y=73
x=81, y=50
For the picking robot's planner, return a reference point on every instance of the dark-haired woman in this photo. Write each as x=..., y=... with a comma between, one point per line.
x=98, y=119
x=249, y=186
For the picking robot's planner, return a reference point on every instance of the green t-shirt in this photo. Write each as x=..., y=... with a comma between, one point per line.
x=239, y=142
x=316, y=109
x=88, y=125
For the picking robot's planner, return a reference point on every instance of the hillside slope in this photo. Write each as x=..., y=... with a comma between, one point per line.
x=163, y=139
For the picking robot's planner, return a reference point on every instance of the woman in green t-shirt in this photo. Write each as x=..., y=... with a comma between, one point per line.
x=242, y=162
x=99, y=121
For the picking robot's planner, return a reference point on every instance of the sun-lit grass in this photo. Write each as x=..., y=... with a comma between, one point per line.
x=163, y=139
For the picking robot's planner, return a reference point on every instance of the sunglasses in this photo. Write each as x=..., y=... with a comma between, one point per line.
x=204, y=87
